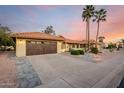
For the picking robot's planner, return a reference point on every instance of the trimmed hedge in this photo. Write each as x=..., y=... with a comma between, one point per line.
x=94, y=50
x=77, y=51
x=81, y=52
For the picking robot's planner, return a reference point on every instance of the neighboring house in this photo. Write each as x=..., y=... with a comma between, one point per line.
x=101, y=43
x=120, y=44
x=36, y=43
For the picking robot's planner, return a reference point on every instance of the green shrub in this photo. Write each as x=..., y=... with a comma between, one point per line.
x=75, y=52
x=111, y=47
x=94, y=50
x=81, y=52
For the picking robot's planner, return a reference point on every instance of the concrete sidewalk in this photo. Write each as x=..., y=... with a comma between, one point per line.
x=62, y=71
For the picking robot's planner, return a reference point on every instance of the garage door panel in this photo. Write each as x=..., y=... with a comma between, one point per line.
x=37, y=49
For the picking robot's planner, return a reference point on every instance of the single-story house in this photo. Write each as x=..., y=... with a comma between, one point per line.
x=36, y=43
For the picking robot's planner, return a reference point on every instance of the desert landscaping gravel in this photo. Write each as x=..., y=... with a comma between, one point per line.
x=7, y=71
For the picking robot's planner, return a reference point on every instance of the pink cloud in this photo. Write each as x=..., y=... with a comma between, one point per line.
x=77, y=31
x=114, y=27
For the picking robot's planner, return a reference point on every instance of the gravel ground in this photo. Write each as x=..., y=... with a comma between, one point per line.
x=7, y=71
x=17, y=72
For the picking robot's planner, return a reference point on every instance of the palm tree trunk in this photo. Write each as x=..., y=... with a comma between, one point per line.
x=88, y=32
x=97, y=33
x=86, y=36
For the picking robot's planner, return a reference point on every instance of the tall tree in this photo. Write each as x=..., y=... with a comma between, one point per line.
x=49, y=30
x=99, y=16
x=87, y=14
x=5, y=39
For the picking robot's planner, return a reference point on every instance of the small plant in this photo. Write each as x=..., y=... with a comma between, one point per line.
x=111, y=47
x=94, y=50
x=110, y=50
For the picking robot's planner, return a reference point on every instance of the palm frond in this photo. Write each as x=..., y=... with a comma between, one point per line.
x=88, y=12
x=100, y=15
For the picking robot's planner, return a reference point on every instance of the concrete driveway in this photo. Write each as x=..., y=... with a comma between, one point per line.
x=63, y=70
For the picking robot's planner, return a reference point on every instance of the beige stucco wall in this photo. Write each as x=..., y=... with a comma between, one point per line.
x=67, y=47
x=59, y=46
x=20, y=47
x=64, y=47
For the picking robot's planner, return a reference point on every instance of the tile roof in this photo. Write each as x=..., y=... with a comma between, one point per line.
x=80, y=42
x=44, y=36
x=73, y=41
x=36, y=35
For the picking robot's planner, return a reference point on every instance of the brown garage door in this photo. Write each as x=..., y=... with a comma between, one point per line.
x=38, y=48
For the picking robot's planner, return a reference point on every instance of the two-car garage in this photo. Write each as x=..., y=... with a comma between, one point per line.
x=37, y=43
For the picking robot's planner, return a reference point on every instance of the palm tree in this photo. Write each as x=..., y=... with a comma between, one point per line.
x=87, y=14
x=100, y=16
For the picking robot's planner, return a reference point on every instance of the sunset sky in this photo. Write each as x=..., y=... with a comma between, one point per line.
x=66, y=20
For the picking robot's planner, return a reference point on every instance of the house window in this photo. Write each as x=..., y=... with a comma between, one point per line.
x=77, y=46
x=33, y=42
x=69, y=45
x=42, y=42
x=46, y=42
x=73, y=46
x=28, y=41
x=38, y=42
